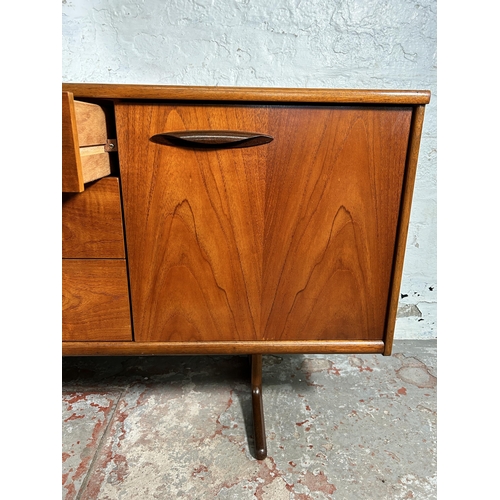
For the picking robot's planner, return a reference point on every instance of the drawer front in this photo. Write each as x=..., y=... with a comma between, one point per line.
x=92, y=222
x=84, y=136
x=95, y=300
x=289, y=240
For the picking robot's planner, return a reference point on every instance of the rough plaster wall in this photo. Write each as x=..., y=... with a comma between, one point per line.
x=280, y=43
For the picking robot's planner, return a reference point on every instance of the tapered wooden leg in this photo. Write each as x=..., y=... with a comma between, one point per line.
x=258, y=409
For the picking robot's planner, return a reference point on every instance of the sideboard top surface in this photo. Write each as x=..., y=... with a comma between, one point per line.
x=261, y=94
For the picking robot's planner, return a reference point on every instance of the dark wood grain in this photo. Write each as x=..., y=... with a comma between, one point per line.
x=251, y=94
x=292, y=240
x=92, y=222
x=95, y=300
x=212, y=139
x=258, y=408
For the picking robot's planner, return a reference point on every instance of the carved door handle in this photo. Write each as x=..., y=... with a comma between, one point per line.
x=211, y=139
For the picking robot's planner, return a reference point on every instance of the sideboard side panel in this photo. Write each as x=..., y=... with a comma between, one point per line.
x=403, y=223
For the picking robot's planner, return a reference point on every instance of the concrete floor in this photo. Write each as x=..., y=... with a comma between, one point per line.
x=338, y=426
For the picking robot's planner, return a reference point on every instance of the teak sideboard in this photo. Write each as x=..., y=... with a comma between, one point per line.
x=219, y=220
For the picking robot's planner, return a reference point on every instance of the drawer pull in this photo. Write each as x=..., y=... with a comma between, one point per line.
x=211, y=139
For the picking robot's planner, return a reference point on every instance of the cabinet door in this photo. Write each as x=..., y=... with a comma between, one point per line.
x=289, y=240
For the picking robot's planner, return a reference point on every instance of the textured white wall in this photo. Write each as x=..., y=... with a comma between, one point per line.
x=281, y=43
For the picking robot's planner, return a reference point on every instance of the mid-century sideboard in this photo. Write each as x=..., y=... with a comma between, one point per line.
x=218, y=220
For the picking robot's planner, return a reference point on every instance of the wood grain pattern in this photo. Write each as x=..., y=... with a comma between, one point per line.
x=94, y=165
x=403, y=223
x=292, y=240
x=92, y=136
x=72, y=176
x=252, y=94
x=229, y=347
x=92, y=222
x=332, y=207
x=95, y=300
x=91, y=121
x=83, y=128
x=198, y=212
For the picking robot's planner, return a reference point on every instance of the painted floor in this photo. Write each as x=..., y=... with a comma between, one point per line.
x=338, y=426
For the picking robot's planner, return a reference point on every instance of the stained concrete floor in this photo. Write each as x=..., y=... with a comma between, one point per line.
x=338, y=426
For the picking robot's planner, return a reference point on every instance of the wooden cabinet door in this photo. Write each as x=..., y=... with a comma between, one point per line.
x=289, y=240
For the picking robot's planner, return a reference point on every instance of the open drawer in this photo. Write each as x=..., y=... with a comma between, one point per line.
x=85, y=145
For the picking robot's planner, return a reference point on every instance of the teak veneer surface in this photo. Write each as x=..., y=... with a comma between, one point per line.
x=254, y=94
x=290, y=246
x=404, y=220
x=230, y=347
x=292, y=240
x=95, y=300
x=92, y=222
x=277, y=222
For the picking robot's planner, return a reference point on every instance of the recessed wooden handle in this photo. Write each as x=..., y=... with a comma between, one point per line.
x=212, y=139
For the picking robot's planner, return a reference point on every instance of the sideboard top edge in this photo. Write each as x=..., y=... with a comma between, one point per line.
x=262, y=94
